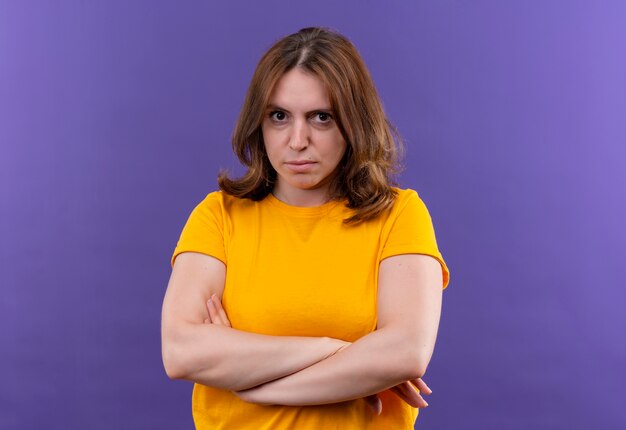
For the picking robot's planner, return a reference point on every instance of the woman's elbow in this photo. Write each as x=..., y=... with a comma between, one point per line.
x=415, y=367
x=414, y=372
x=183, y=355
x=171, y=371
x=173, y=351
x=171, y=360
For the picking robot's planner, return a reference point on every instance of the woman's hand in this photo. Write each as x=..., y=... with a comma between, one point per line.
x=406, y=391
x=409, y=391
x=217, y=314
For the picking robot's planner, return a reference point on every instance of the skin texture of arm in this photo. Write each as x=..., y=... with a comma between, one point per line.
x=220, y=356
x=409, y=309
x=409, y=391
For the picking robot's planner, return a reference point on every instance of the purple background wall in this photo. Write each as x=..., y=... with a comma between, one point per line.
x=115, y=118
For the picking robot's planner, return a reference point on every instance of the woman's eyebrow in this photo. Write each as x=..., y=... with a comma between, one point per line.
x=272, y=106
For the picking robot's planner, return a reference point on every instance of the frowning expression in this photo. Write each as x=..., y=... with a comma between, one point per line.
x=302, y=139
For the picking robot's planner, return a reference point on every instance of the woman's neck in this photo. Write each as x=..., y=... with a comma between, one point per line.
x=302, y=198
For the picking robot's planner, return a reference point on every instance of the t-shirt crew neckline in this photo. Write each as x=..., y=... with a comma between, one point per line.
x=302, y=211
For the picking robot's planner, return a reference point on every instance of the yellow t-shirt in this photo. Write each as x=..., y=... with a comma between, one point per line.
x=300, y=271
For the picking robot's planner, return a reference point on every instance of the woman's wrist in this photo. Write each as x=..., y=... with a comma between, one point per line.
x=335, y=345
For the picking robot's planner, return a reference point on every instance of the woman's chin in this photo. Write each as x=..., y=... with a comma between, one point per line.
x=304, y=184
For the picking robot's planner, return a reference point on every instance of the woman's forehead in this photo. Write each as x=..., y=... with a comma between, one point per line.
x=299, y=90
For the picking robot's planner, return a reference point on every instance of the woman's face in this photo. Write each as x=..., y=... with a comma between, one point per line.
x=302, y=139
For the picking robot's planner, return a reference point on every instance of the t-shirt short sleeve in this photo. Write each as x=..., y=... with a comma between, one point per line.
x=204, y=230
x=411, y=231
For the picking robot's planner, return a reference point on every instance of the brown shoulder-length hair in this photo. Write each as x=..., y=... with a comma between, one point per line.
x=373, y=143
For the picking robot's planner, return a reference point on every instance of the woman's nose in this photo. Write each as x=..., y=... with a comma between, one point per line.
x=299, y=136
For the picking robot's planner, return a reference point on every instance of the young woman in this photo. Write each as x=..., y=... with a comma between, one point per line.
x=307, y=293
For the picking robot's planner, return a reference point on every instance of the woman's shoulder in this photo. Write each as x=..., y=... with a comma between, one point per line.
x=408, y=204
x=220, y=201
x=404, y=192
x=405, y=196
x=213, y=200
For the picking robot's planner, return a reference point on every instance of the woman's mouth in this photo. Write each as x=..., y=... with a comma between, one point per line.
x=300, y=165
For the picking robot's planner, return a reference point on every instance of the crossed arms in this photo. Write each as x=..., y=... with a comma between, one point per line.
x=291, y=370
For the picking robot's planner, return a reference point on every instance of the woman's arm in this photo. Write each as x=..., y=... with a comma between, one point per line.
x=409, y=391
x=220, y=356
x=409, y=307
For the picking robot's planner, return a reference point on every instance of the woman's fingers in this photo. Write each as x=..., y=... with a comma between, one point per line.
x=407, y=395
x=412, y=395
x=213, y=316
x=220, y=310
x=217, y=314
x=214, y=313
x=398, y=392
x=208, y=320
x=421, y=386
x=374, y=403
x=405, y=391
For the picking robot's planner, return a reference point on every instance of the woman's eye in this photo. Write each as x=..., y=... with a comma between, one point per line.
x=324, y=117
x=278, y=116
